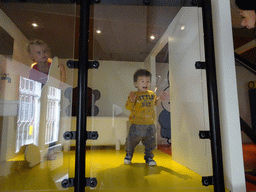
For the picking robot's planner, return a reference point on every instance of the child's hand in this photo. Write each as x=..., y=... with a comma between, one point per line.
x=164, y=96
x=132, y=97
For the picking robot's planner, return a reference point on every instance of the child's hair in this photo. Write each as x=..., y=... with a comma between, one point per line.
x=36, y=42
x=141, y=73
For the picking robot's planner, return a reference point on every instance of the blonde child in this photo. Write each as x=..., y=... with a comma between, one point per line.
x=39, y=53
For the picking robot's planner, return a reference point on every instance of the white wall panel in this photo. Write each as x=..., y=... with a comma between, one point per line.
x=187, y=98
x=228, y=97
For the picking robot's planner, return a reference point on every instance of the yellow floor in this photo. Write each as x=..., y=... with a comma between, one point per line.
x=107, y=166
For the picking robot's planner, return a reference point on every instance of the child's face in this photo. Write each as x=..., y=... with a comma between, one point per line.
x=143, y=83
x=39, y=53
x=249, y=18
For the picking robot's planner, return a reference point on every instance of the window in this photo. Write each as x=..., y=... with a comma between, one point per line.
x=53, y=115
x=29, y=112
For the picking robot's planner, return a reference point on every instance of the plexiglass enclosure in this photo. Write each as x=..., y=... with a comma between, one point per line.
x=36, y=103
x=39, y=98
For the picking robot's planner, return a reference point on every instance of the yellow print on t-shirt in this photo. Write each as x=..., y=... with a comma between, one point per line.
x=142, y=110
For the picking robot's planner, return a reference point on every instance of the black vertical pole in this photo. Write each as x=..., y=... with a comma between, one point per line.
x=218, y=178
x=80, y=182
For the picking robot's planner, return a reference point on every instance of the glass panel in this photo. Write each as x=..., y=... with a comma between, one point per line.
x=126, y=38
x=36, y=99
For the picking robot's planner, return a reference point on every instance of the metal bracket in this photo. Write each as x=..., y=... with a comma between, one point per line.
x=92, y=135
x=72, y=64
x=200, y=65
x=204, y=134
x=75, y=64
x=93, y=64
x=89, y=182
x=71, y=135
x=206, y=181
x=68, y=183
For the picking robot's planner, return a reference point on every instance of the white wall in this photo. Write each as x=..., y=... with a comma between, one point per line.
x=70, y=80
x=3, y=61
x=9, y=91
x=114, y=80
x=188, y=115
x=10, y=96
x=188, y=99
x=228, y=99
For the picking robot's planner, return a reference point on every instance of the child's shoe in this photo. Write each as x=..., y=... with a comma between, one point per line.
x=150, y=161
x=127, y=159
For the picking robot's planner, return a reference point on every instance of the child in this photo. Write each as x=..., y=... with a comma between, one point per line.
x=141, y=104
x=39, y=52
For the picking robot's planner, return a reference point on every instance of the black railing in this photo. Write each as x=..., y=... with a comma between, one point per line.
x=245, y=63
x=82, y=97
x=216, y=149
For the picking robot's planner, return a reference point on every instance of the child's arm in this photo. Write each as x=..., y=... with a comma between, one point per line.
x=131, y=101
x=162, y=97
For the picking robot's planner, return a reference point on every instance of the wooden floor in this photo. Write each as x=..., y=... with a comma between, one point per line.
x=107, y=166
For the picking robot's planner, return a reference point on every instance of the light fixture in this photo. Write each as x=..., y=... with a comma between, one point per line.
x=98, y=31
x=182, y=27
x=152, y=37
x=34, y=24
x=170, y=39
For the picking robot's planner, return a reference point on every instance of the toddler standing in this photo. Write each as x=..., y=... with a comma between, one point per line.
x=142, y=117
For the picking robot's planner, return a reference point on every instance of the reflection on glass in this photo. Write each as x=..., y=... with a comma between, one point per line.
x=53, y=115
x=33, y=116
x=29, y=113
x=122, y=46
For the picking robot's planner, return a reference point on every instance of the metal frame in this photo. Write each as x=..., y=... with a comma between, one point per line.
x=218, y=176
x=79, y=183
x=216, y=149
x=81, y=134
